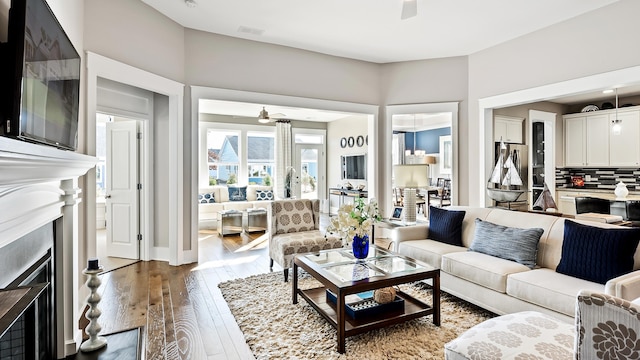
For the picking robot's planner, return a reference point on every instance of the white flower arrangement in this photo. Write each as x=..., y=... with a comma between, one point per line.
x=354, y=220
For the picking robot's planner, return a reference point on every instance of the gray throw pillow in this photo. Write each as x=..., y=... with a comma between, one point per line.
x=515, y=244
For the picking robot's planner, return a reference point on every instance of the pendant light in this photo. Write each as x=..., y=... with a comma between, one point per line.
x=617, y=123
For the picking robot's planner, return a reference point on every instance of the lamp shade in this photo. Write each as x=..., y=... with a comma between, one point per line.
x=431, y=159
x=411, y=176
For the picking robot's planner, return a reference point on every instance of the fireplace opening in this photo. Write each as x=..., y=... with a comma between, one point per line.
x=27, y=297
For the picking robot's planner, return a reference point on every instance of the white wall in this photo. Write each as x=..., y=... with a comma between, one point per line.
x=230, y=63
x=133, y=33
x=160, y=170
x=428, y=81
x=592, y=43
x=336, y=130
x=596, y=42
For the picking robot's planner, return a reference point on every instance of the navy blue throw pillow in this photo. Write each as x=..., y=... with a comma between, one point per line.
x=597, y=254
x=237, y=193
x=445, y=225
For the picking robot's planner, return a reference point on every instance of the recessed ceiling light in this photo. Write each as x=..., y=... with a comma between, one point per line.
x=608, y=91
x=190, y=3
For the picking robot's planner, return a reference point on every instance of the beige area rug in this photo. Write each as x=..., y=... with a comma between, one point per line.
x=275, y=328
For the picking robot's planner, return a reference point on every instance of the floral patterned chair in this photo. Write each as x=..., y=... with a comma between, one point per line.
x=294, y=228
x=607, y=327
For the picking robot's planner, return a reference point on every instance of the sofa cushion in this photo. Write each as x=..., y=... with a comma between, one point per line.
x=237, y=193
x=428, y=251
x=549, y=289
x=486, y=270
x=263, y=195
x=596, y=254
x=445, y=225
x=207, y=198
x=509, y=243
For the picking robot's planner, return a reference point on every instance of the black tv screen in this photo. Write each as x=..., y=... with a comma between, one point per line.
x=44, y=78
x=354, y=167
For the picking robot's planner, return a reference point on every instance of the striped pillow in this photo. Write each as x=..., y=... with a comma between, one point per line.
x=515, y=244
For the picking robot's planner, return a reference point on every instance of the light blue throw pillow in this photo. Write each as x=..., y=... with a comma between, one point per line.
x=509, y=243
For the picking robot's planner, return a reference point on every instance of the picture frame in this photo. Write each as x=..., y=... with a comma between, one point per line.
x=397, y=213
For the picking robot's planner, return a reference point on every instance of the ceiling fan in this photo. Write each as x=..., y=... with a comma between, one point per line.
x=409, y=9
x=264, y=117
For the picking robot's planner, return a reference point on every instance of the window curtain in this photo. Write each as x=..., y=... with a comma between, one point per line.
x=400, y=150
x=283, y=157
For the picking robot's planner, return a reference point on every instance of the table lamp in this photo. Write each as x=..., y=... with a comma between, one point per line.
x=410, y=177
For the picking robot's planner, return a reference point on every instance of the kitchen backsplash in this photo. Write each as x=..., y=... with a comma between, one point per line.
x=599, y=178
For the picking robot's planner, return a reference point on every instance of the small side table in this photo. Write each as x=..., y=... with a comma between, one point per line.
x=230, y=222
x=256, y=220
x=95, y=342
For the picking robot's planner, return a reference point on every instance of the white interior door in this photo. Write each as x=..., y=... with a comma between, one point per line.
x=310, y=171
x=121, y=189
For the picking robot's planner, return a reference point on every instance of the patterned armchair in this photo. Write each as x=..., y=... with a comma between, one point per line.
x=607, y=327
x=294, y=229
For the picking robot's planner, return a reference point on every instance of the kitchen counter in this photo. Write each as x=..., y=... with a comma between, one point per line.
x=566, y=203
x=600, y=193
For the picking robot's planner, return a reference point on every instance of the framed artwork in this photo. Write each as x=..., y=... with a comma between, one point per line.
x=343, y=143
x=446, y=155
x=397, y=213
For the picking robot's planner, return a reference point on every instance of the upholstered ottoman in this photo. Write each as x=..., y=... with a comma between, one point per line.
x=523, y=335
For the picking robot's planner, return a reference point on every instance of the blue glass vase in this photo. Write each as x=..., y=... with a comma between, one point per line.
x=360, y=246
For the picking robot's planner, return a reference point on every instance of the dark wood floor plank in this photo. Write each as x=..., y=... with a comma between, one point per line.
x=155, y=335
x=171, y=346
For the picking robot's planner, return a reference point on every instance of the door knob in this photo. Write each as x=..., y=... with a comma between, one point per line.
x=107, y=197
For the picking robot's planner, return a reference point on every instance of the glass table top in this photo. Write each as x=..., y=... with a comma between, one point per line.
x=342, y=264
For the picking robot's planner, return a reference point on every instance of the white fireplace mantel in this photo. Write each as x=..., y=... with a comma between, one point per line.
x=39, y=184
x=26, y=163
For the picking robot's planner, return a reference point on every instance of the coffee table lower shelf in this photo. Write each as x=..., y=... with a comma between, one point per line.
x=413, y=309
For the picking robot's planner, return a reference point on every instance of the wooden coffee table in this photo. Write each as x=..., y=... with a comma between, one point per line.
x=342, y=274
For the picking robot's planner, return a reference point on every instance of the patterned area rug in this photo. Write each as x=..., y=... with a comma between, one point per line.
x=275, y=328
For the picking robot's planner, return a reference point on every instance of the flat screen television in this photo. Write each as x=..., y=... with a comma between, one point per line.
x=354, y=167
x=41, y=73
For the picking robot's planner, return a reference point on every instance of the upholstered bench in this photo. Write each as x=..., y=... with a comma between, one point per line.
x=522, y=335
x=608, y=328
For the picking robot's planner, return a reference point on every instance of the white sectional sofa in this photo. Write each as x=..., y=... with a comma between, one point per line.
x=208, y=211
x=504, y=286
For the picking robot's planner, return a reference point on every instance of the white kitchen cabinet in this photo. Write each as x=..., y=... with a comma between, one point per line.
x=625, y=145
x=586, y=140
x=574, y=141
x=597, y=144
x=507, y=128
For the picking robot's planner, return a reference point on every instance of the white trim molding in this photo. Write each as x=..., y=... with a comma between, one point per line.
x=100, y=66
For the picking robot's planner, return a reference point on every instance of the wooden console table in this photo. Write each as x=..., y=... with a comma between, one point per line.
x=341, y=193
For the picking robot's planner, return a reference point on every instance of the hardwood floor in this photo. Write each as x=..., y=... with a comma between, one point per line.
x=181, y=307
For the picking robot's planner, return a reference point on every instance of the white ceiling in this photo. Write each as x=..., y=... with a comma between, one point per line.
x=372, y=30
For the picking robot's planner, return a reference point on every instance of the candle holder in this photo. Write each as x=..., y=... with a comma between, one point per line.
x=95, y=342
